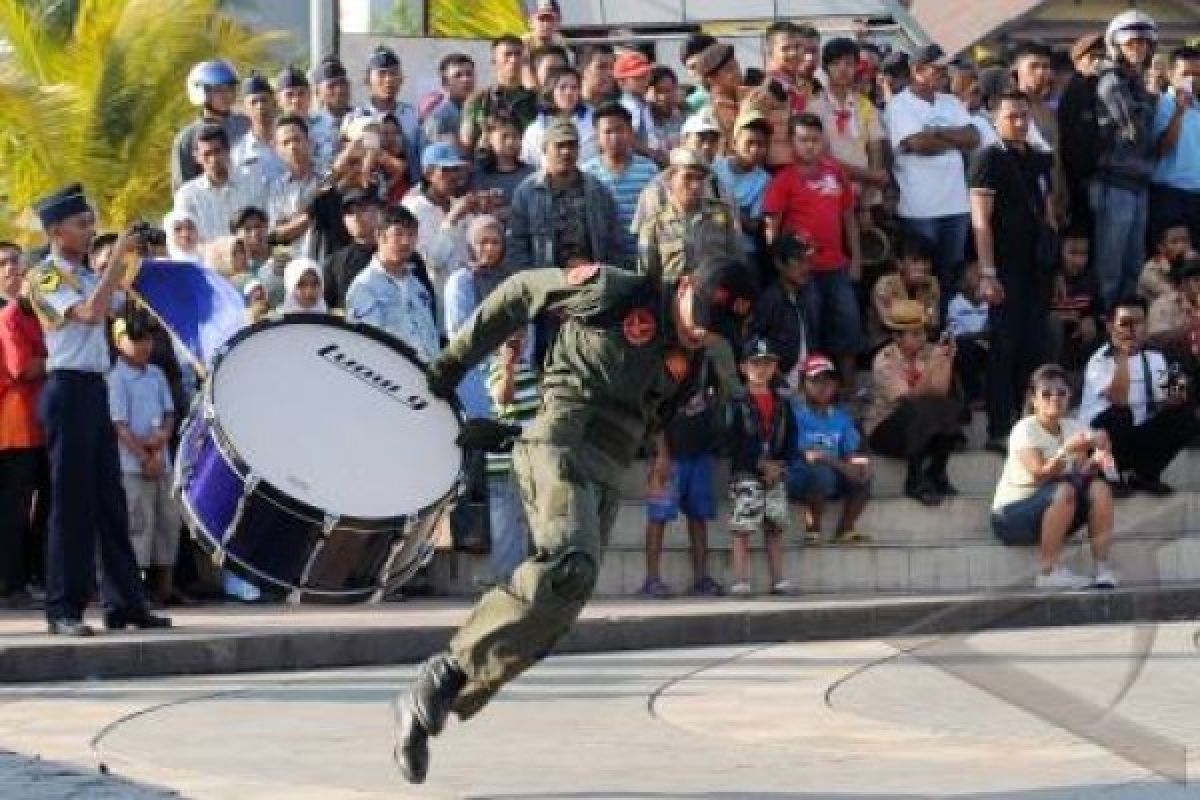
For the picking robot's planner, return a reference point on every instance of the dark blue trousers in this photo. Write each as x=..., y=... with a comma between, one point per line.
x=88, y=516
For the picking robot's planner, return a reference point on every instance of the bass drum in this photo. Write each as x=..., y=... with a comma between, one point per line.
x=316, y=461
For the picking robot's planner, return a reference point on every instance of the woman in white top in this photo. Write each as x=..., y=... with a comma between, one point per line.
x=562, y=98
x=1054, y=483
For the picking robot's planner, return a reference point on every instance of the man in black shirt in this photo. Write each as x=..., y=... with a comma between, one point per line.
x=1010, y=206
x=360, y=215
x=779, y=314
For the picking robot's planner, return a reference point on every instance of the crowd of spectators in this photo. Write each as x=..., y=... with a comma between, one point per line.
x=1009, y=206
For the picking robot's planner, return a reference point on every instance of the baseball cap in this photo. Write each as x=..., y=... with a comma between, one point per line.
x=688, y=158
x=725, y=290
x=818, y=364
x=561, y=130
x=547, y=7
x=758, y=347
x=701, y=122
x=1086, y=44
x=442, y=155
x=752, y=117
x=712, y=58
x=632, y=64
x=929, y=54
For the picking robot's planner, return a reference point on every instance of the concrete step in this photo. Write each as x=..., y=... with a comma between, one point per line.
x=875, y=567
x=900, y=521
x=975, y=473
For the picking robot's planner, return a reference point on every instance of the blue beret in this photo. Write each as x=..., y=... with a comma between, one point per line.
x=65, y=203
x=256, y=84
x=383, y=58
x=291, y=78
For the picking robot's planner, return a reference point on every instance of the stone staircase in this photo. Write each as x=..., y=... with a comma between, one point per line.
x=912, y=549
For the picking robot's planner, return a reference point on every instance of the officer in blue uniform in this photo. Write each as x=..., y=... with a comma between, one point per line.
x=88, y=513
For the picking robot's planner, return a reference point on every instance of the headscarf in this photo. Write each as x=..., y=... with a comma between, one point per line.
x=172, y=218
x=295, y=270
x=219, y=254
x=486, y=279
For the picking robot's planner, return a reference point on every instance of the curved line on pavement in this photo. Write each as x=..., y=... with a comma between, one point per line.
x=659, y=691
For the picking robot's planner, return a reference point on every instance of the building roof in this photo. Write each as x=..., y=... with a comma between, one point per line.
x=958, y=25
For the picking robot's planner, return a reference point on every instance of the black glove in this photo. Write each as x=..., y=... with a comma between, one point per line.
x=488, y=435
x=440, y=383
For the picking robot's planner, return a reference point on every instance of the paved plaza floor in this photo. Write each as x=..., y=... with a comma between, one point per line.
x=1051, y=714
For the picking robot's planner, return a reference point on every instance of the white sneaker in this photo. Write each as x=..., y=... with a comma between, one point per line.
x=740, y=589
x=1105, y=577
x=1060, y=578
x=784, y=587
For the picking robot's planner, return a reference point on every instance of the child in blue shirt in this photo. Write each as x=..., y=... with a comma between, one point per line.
x=830, y=465
x=742, y=171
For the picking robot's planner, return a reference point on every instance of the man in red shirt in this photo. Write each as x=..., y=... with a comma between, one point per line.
x=22, y=453
x=815, y=200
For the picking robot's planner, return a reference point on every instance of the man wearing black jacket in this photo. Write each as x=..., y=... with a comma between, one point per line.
x=1078, y=133
x=779, y=315
x=360, y=214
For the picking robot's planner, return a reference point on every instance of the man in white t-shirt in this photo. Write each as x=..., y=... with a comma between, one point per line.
x=929, y=131
x=1145, y=407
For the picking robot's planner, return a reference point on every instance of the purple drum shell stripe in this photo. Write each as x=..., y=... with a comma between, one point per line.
x=212, y=491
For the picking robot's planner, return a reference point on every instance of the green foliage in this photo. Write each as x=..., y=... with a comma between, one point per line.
x=93, y=91
x=402, y=20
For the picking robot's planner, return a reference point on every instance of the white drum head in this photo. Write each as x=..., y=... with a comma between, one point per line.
x=337, y=420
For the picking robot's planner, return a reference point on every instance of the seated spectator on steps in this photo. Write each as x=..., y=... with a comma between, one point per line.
x=830, y=465
x=1173, y=323
x=1075, y=319
x=913, y=414
x=966, y=321
x=762, y=438
x=1172, y=243
x=1053, y=484
x=912, y=280
x=681, y=480
x=1145, y=407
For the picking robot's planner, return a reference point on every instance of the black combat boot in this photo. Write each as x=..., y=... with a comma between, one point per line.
x=423, y=712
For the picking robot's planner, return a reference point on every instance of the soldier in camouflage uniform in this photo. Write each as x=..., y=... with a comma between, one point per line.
x=625, y=357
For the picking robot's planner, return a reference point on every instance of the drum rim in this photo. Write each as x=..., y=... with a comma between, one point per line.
x=285, y=501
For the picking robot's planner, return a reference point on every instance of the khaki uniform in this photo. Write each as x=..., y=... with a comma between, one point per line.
x=672, y=243
x=615, y=371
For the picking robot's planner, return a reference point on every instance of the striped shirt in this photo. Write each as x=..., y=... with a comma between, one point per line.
x=520, y=411
x=626, y=188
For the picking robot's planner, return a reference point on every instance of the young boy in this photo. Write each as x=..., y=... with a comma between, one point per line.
x=1074, y=305
x=1172, y=244
x=513, y=386
x=743, y=171
x=830, y=465
x=683, y=481
x=966, y=321
x=143, y=413
x=912, y=280
x=762, y=435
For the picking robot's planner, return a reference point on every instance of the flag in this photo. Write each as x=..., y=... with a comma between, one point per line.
x=200, y=308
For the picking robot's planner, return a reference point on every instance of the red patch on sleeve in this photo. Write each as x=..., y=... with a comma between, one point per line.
x=577, y=276
x=639, y=327
x=678, y=365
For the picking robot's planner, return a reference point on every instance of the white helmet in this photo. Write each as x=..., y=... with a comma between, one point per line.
x=206, y=75
x=1130, y=25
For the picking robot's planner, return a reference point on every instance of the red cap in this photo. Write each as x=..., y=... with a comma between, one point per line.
x=631, y=65
x=817, y=364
